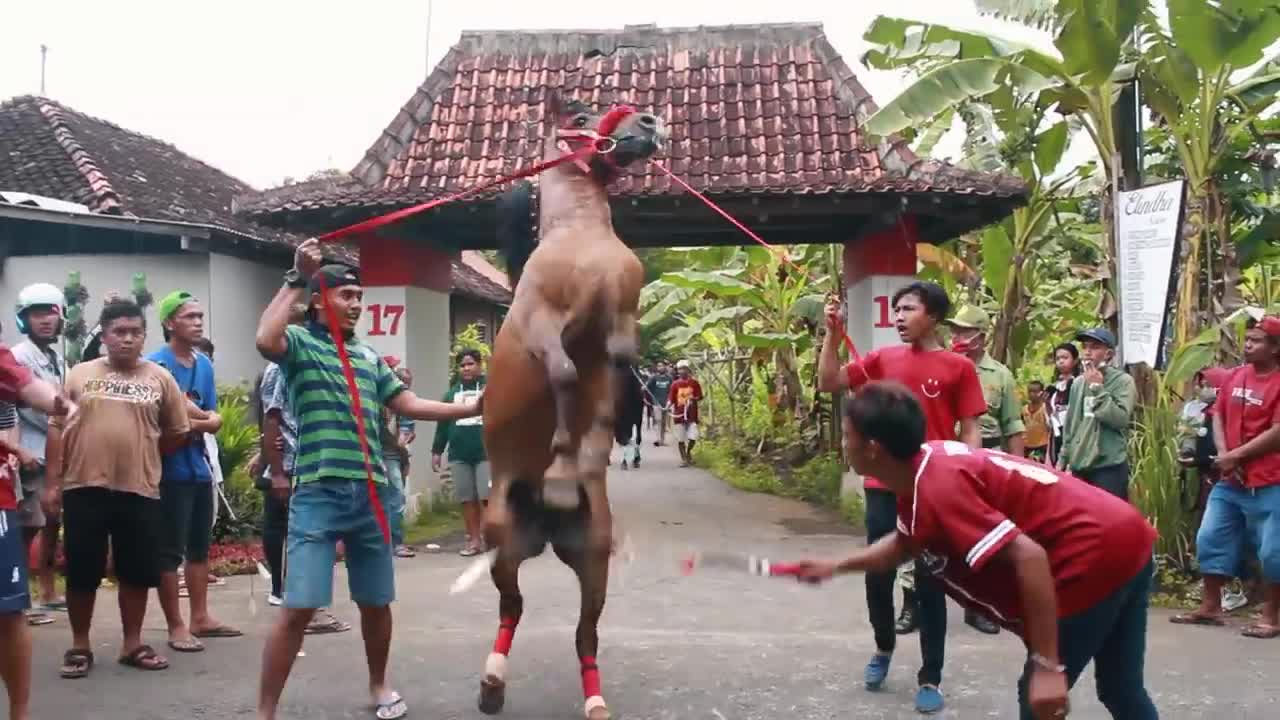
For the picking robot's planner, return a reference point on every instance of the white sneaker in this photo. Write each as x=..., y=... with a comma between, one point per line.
x=274, y=600
x=1233, y=600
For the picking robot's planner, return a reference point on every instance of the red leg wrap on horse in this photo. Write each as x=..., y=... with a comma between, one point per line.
x=506, y=633
x=590, y=677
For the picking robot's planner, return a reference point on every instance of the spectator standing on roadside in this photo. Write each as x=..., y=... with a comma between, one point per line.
x=1095, y=442
x=1246, y=499
x=464, y=441
x=1035, y=417
x=18, y=388
x=395, y=456
x=104, y=470
x=659, y=387
x=1001, y=425
x=683, y=398
x=1066, y=364
x=40, y=310
x=186, y=483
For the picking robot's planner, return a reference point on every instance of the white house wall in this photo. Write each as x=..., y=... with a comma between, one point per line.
x=239, y=292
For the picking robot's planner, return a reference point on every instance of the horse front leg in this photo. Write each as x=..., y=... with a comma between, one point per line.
x=560, y=481
x=505, y=573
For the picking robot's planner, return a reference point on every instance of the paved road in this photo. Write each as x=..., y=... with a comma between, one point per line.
x=715, y=646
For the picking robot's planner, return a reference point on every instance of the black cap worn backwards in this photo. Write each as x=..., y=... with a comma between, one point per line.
x=333, y=276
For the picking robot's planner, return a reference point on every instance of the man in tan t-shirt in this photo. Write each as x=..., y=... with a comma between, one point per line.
x=106, y=458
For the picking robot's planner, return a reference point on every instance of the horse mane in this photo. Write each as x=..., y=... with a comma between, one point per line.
x=517, y=234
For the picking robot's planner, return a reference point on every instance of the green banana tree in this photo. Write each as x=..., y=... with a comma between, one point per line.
x=744, y=298
x=957, y=67
x=1194, y=70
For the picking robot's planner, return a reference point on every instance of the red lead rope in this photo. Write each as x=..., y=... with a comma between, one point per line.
x=331, y=315
x=374, y=223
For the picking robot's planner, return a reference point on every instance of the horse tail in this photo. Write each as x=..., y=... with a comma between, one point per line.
x=516, y=235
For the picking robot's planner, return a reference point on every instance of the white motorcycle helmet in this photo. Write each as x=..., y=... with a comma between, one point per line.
x=35, y=295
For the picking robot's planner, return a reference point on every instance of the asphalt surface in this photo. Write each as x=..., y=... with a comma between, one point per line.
x=716, y=645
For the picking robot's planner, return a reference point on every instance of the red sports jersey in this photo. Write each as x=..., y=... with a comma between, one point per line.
x=968, y=504
x=13, y=377
x=1248, y=405
x=684, y=396
x=945, y=383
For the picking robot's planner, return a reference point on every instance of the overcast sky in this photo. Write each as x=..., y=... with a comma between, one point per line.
x=267, y=89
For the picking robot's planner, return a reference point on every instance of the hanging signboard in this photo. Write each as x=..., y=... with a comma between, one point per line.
x=1148, y=227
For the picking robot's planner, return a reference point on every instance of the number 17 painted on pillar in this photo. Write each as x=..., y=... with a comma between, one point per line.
x=385, y=319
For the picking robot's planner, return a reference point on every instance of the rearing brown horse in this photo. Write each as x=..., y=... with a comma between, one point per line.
x=549, y=406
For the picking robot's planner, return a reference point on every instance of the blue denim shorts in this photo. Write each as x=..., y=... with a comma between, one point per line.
x=14, y=591
x=1235, y=521
x=320, y=514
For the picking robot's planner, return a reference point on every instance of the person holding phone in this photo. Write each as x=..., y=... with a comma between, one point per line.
x=1095, y=441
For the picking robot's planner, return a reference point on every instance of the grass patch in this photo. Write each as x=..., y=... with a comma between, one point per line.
x=434, y=522
x=816, y=480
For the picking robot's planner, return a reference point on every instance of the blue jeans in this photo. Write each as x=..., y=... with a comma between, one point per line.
x=320, y=514
x=1234, y=519
x=931, y=603
x=1113, y=634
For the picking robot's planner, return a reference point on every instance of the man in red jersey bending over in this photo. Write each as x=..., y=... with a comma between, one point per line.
x=947, y=386
x=1065, y=565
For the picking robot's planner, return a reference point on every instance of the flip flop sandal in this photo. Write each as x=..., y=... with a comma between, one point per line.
x=38, y=618
x=1261, y=631
x=55, y=606
x=76, y=664
x=186, y=646
x=392, y=708
x=1193, y=618
x=144, y=657
x=216, y=580
x=468, y=551
x=404, y=552
x=222, y=631
x=327, y=628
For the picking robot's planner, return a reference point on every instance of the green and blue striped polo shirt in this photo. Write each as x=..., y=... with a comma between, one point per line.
x=328, y=443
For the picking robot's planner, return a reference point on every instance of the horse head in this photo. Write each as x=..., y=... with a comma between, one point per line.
x=621, y=134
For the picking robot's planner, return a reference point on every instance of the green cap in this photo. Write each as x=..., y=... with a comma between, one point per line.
x=171, y=302
x=971, y=318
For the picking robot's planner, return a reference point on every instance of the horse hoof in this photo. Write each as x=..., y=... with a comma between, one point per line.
x=492, y=696
x=595, y=709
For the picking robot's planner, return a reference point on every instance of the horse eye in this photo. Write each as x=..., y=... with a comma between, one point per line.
x=580, y=121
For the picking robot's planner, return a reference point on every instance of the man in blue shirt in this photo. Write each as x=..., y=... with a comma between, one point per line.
x=186, y=491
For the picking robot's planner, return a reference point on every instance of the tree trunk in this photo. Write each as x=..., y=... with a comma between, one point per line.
x=1224, y=278
x=1187, y=312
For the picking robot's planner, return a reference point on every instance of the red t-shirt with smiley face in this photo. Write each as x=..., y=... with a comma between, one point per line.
x=945, y=383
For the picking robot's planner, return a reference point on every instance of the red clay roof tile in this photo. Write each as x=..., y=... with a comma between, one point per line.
x=768, y=108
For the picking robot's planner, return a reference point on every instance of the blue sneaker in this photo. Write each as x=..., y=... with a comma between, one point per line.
x=877, y=670
x=928, y=699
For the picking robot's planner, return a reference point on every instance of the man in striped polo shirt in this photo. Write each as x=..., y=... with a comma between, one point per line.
x=331, y=501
